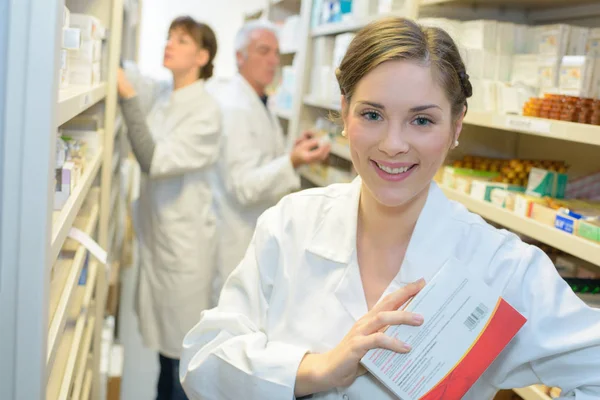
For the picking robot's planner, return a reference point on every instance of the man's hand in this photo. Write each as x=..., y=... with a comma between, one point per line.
x=308, y=151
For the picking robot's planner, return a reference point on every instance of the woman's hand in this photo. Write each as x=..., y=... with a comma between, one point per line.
x=125, y=89
x=340, y=366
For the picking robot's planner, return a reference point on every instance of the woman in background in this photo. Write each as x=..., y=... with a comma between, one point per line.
x=174, y=134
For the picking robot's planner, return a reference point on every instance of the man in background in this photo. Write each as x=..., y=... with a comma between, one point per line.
x=254, y=168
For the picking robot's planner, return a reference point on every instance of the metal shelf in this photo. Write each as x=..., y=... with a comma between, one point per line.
x=63, y=220
x=570, y=131
x=76, y=99
x=574, y=245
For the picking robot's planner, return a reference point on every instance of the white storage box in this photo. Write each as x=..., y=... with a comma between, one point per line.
x=503, y=67
x=362, y=9
x=479, y=34
x=525, y=40
x=90, y=26
x=481, y=63
x=593, y=43
x=505, y=38
x=576, y=75
x=71, y=38
x=549, y=71
x=525, y=70
x=340, y=47
x=553, y=39
x=87, y=74
x=578, y=38
x=90, y=51
x=387, y=6
x=288, y=36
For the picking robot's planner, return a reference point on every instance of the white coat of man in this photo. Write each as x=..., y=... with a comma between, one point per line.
x=255, y=170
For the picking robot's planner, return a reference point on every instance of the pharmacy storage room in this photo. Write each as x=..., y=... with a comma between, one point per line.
x=299, y=199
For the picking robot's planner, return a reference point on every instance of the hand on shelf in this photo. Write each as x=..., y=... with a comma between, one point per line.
x=305, y=136
x=126, y=90
x=308, y=150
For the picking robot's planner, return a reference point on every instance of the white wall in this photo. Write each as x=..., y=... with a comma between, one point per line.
x=224, y=16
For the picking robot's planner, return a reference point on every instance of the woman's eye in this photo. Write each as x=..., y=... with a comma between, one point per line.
x=422, y=121
x=371, y=116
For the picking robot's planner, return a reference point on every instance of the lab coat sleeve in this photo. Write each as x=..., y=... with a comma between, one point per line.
x=249, y=174
x=559, y=345
x=148, y=90
x=192, y=145
x=228, y=354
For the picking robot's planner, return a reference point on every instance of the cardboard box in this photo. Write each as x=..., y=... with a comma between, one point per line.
x=481, y=190
x=589, y=230
x=546, y=183
x=503, y=198
x=543, y=214
x=451, y=174
x=524, y=204
x=71, y=38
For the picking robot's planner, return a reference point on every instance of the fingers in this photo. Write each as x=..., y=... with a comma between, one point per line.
x=380, y=340
x=394, y=300
x=386, y=318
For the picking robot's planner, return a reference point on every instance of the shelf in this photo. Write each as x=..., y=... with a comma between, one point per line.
x=63, y=220
x=76, y=99
x=313, y=178
x=351, y=25
x=340, y=150
x=310, y=101
x=570, y=131
x=87, y=385
x=283, y=114
x=83, y=357
x=574, y=245
x=532, y=393
x=528, y=4
x=60, y=316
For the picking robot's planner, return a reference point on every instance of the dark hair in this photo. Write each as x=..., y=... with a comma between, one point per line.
x=402, y=39
x=204, y=37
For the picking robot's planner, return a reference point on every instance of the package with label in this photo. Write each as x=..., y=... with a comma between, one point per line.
x=592, y=47
x=503, y=198
x=546, y=183
x=576, y=75
x=89, y=51
x=453, y=175
x=481, y=63
x=71, y=38
x=90, y=26
x=543, y=214
x=589, y=230
x=524, y=204
x=82, y=73
x=553, y=39
x=525, y=70
x=479, y=34
x=548, y=73
x=511, y=99
x=92, y=140
x=467, y=324
x=578, y=39
x=481, y=190
x=65, y=184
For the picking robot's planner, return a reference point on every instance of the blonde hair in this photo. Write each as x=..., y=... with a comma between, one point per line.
x=395, y=38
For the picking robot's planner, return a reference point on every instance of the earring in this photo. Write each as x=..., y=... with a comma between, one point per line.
x=344, y=133
x=456, y=143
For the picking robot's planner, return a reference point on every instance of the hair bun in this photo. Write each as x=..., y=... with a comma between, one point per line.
x=466, y=84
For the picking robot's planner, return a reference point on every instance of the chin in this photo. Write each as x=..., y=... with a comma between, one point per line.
x=396, y=195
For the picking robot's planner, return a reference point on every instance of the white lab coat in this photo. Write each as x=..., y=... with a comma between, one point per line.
x=299, y=290
x=173, y=216
x=254, y=170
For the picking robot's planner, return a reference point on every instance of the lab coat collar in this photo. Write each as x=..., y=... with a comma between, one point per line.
x=335, y=239
x=188, y=93
x=255, y=98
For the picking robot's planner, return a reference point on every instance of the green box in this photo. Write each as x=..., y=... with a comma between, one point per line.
x=481, y=190
x=450, y=173
x=546, y=183
x=589, y=230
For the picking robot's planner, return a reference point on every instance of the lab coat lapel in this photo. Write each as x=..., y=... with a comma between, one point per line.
x=267, y=119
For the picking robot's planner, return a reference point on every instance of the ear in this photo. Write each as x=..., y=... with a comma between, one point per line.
x=202, y=57
x=240, y=58
x=459, y=125
x=344, y=109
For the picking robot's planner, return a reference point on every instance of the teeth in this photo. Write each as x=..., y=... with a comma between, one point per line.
x=393, y=171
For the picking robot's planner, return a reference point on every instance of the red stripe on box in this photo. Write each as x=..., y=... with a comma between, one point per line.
x=502, y=327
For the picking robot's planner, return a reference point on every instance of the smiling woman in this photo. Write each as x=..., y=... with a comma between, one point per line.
x=328, y=269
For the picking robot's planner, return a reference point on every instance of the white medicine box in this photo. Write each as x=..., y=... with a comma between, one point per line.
x=479, y=34
x=576, y=75
x=71, y=38
x=90, y=26
x=593, y=43
x=553, y=39
x=578, y=39
x=90, y=51
x=82, y=73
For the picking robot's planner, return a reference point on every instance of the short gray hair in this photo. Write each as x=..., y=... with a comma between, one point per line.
x=242, y=38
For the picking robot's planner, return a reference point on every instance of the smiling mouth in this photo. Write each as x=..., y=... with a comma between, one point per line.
x=394, y=171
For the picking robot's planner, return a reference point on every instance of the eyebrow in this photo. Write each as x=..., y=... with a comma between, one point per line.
x=414, y=109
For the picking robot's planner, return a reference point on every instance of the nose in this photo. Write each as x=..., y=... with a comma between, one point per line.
x=394, y=142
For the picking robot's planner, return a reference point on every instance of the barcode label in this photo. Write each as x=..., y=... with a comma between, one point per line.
x=473, y=320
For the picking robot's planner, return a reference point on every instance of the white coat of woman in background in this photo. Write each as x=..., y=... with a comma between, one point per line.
x=174, y=134
x=329, y=268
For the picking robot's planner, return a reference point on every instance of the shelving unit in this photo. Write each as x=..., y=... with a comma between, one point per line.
x=52, y=323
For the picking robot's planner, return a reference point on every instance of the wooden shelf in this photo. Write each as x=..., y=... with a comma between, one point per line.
x=351, y=25
x=61, y=314
x=76, y=99
x=283, y=114
x=532, y=393
x=574, y=245
x=62, y=220
x=569, y=131
x=84, y=355
x=87, y=385
x=527, y=4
